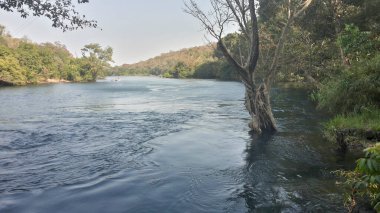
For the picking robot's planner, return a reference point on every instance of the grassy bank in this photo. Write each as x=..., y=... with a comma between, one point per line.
x=369, y=119
x=354, y=131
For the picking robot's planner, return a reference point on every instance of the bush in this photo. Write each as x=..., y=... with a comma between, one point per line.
x=11, y=71
x=357, y=44
x=364, y=182
x=355, y=89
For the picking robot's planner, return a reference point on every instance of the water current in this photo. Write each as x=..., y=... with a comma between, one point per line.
x=144, y=144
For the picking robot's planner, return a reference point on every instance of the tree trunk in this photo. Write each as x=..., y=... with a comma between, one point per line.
x=337, y=14
x=257, y=102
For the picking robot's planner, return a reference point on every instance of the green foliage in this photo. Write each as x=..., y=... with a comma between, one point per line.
x=364, y=182
x=203, y=62
x=237, y=46
x=11, y=72
x=23, y=62
x=180, y=70
x=356, y=88
x=61, y=13
x=368, y=119
x=319, y=21
x=207, y=70
x=357, y=44
x=95, y=61
x=366, y=16
x=167, y=75
x=219, y=69
x=196, y=62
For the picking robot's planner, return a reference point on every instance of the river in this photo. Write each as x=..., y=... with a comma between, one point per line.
x=144, y=144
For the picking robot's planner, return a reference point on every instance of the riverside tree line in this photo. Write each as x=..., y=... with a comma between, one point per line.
x=24, y=62
x=330, y=45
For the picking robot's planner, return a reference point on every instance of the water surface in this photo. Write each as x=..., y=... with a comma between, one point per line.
x=160, y=145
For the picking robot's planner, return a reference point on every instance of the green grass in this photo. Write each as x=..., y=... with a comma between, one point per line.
x=368, y=119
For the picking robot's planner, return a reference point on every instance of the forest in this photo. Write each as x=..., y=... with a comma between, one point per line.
x=24, y=62
x=202, y=62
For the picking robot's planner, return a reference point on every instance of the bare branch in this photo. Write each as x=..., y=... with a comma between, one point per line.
x=238, y=13
x=304, y=5
x=242, y=72
x=223, y=13
x=193, y=9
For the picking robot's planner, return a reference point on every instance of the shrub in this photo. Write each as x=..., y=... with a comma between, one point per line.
x=356, y=88
x=364, y=182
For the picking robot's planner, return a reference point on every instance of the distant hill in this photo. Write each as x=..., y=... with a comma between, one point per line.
x=195, y=62
x=166, y=62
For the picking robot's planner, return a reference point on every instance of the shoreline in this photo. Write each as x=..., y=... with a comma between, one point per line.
x=46, y=81
x=54, y=81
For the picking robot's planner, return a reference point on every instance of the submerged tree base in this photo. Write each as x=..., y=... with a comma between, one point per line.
x=257, y=102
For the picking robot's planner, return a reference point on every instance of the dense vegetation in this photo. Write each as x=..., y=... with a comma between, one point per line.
x=196, y=62
x=24, y=62
x=363, y=182
x=344, y=48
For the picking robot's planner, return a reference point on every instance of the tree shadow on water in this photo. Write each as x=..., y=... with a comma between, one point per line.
x=260, y=175
x=279, y=177
x=257, y=147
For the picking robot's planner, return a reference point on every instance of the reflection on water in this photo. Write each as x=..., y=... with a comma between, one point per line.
x=159, y=145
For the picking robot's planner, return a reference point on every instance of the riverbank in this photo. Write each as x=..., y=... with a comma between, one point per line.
x=23, y=62
x=46, y=81
x=55, y=81
x=359, y=134
x=354, y=132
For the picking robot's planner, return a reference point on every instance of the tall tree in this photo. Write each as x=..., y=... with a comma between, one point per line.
x=61, y=12
x=293, y=9
x=96, y=59
x=243, y=14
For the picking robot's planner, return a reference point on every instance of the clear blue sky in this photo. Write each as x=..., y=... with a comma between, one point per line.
x=135, y=29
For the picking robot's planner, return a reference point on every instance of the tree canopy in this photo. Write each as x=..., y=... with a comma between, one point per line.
x=24, y=62
x=62, y=13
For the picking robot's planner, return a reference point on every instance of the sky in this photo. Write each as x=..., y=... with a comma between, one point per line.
x=135, y=29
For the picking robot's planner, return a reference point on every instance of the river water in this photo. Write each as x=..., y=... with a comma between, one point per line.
x=144, y=144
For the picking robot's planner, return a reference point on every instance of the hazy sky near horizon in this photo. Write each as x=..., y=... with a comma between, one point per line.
x=136, y=30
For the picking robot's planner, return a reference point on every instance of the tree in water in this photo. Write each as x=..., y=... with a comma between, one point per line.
x=61, y=12
x=243, y=14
